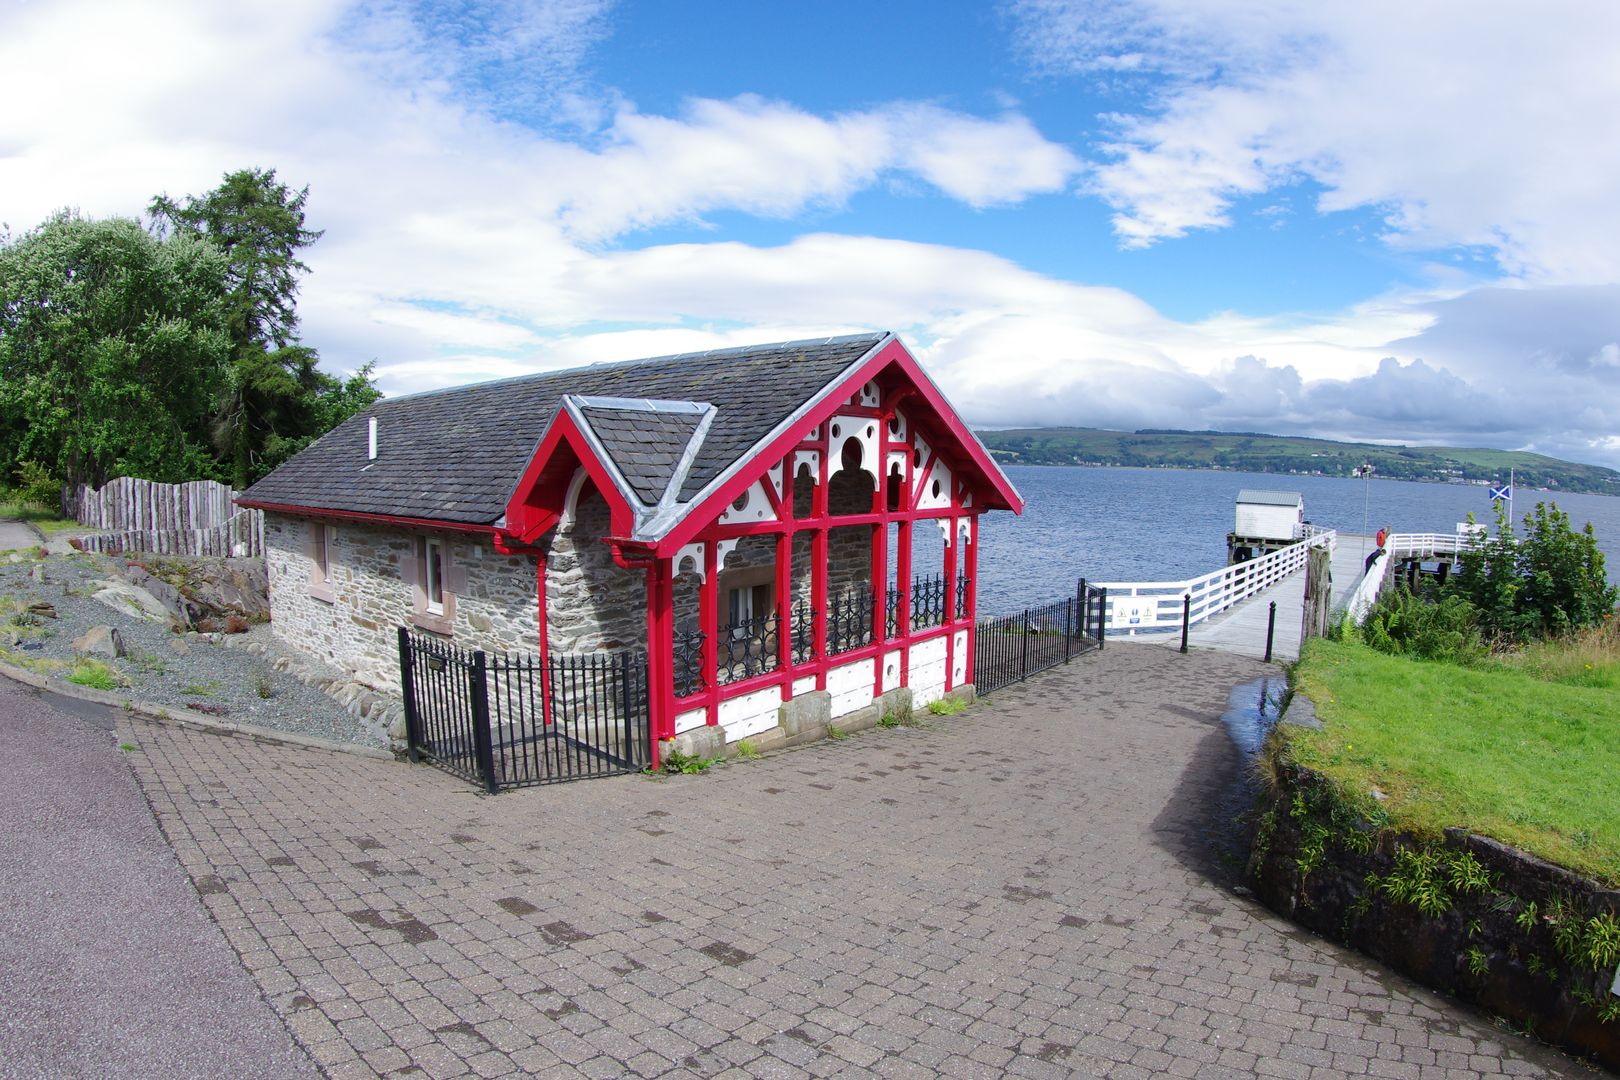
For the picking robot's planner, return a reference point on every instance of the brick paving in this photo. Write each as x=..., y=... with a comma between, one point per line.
x=1026, y=889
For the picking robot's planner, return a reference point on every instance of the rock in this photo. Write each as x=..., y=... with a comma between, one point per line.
x=100, y=641
x=131, y=600
x=179, y=646
x=235, y=624
x=42, y=608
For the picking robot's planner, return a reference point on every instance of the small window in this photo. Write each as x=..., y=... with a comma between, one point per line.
x=325, y=552
x=433, y=575
x=746, y=603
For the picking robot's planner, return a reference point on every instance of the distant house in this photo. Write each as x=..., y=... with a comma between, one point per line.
x=745, y=516
x=1265, y=521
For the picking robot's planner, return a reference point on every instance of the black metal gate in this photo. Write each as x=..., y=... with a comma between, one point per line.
x=1011, y=648
x=513, y=719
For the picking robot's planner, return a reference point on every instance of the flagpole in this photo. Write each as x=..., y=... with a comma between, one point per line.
x=1510, y=495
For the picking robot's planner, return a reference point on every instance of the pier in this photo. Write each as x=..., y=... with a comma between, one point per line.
x=1230, y=609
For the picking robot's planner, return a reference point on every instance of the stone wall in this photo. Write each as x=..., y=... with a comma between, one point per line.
x=495, y=606
x=592, y=602
x=1496, y=943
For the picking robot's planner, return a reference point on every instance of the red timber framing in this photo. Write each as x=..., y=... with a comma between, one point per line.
x=908, y=439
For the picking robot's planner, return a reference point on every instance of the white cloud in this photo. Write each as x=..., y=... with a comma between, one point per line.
x=462, y=245
x=1495, y=125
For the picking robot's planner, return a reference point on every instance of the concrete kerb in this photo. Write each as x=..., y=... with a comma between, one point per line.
x=166, y=715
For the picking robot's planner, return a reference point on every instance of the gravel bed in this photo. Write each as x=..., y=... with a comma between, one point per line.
x=202, y=674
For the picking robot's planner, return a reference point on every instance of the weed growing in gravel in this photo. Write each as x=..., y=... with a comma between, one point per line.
x=889, y=719
x=207, y=689
x=747, y=750
x=263, y=688
x=947, y=706
x=127, y=747
x=94, y=674
x=677, y=762
x=835, y=735
x=148, y=662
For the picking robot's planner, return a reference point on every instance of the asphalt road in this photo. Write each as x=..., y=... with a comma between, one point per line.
x=15, y=534
x=109, y=965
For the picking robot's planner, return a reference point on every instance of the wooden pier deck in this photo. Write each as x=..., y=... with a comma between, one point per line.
x=1242, y=629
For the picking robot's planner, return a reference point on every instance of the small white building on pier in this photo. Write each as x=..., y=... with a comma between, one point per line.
x=1265, y=522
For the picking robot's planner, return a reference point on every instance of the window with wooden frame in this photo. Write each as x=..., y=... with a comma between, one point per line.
x=746, y=595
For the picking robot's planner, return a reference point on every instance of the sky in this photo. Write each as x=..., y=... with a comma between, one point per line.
x=1374, y=220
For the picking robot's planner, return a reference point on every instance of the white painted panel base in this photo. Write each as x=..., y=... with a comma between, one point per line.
x=850, y=686
x=690, y=719
x=804, y=685
x=750, y=714
x=891, y=670
x=927, y=672
x=959, y=658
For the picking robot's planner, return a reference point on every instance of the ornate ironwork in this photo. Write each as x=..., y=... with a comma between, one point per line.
x=927, y=601
x=892, y=608
x=849, y=621
x=961, y=596
x=748, y=648
x=802, y=632
x=689, y=662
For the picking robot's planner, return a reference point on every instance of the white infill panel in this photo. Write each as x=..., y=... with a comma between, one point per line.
x=927, y=672
x=804, y=685
x=850, y=687
x=690, y=719
x=750, y=714
x=959, y=659
x=891, y=670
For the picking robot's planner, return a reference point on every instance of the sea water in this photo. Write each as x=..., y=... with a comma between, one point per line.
x=1118, y=524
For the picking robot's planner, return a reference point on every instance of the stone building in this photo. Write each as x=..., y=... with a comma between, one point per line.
x=755, y=520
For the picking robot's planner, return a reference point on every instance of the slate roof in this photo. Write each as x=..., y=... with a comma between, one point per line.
x=1258, y=497
x=455, y=455
x=646, y=443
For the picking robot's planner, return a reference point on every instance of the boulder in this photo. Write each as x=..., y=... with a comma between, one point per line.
x=100, y=641
x=131, y=600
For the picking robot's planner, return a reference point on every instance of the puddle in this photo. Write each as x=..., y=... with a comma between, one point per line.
x=1252, y=710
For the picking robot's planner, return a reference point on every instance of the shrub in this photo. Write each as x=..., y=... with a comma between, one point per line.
x=94, y=674
x=1550, y=581
x=1406, y=625
x=36, y=485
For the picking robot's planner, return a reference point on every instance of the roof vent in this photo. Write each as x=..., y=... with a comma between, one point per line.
x=371, y=448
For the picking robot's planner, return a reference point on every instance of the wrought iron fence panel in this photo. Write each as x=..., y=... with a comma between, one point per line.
x=927, y=602
x=1011, y=648
x=961, y=597
x=748, y=648
x=849, y=621
x=802, y=632
x=512, y=719
x=689, y=677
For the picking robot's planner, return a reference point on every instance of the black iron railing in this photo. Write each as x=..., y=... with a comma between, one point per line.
x=747, y=648
x=849, y=621
x=1011, y=648
x=513, y=719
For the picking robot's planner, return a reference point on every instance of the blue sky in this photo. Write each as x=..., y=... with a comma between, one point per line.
x=1383, y=220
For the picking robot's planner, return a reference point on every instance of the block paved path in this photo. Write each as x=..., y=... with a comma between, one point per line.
x=1026, y=889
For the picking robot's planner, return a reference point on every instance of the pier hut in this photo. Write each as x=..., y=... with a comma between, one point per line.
x=738, y=524
x=1266, y=521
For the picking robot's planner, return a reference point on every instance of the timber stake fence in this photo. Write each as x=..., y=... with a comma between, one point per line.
x=194, y=518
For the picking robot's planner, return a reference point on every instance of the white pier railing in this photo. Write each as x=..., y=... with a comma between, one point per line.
x=1404, y=546
x=1137, y=607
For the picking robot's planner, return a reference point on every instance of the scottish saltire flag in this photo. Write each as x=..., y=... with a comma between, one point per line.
x=1505, y=492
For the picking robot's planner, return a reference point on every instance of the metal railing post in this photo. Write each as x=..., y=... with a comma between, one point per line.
x=1068, y=627
x=1186, y=619
x=407, y=686
x=483, y=751
x=1023, y=660
x=1271, y=627
x=1102, y=617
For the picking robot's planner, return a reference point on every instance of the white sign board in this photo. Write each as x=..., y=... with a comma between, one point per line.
x=1134, y=612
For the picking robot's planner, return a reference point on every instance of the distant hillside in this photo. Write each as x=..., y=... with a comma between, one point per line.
x=1253, y=452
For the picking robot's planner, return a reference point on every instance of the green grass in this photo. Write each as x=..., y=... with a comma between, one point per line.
x=94, y=674
x=1494, y=749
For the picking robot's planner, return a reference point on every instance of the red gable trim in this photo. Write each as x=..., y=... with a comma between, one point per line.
x=373, y=519
x=1003, y=496
x=527, y=519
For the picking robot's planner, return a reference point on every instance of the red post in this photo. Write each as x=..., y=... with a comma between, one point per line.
x=950, y=601
x=545, y=654
x=709, y=617
x=970, y=566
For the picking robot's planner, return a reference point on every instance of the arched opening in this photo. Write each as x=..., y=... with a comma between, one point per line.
x=592, y=603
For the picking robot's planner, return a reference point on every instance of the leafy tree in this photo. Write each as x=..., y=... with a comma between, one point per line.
x=111, y=350
x=1549, y=581
x=274, y=397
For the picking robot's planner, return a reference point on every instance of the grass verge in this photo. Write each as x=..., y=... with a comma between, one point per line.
x=1493, y=749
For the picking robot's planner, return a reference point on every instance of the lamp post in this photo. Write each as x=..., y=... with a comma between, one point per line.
x=1365, y=472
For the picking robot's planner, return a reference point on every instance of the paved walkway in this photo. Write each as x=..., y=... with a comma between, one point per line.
x=109, y=966
x=1025, y=889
